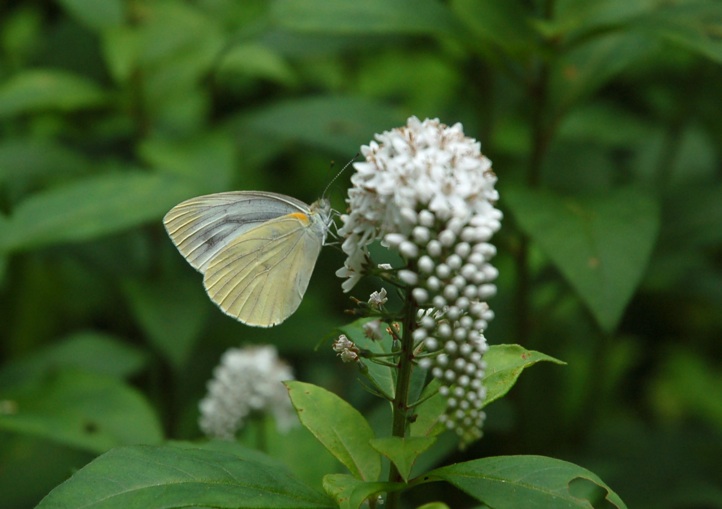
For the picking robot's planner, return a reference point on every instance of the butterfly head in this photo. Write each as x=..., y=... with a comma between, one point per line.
x=322, y=215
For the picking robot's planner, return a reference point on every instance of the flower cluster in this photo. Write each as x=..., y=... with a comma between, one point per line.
x=345, y=349
x=426, y=191
x=248, y=380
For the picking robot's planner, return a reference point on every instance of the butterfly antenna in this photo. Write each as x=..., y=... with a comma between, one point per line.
x=339, y=174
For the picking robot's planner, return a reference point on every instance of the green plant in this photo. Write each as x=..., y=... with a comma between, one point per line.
x=600, y=117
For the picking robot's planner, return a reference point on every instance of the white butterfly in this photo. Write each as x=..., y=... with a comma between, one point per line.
x=256, y=250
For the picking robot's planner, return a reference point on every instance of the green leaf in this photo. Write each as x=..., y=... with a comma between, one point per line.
x=695, y=25
x=428, y=412
x=94, y=14
x=504, y=365
x=209, y=161
x=338, y=124
x=363, y=18
x=600, y=244
x=584, y=69
x=350, y=493
x=688, y=384
x=82, y=410
x=504, y=23
x=578, y=20
x=402, y=451
x=89, y=351
x=121, y=49
x=90, y=208
x=293, y=447
x=692, y=216
x=339, y=427
x=45, y=89
x=256, y=61
x=531, y=482
x=171, y=311
x=27, y=159
x=147, y=477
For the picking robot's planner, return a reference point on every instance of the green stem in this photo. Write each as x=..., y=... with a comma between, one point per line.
x=403, y=383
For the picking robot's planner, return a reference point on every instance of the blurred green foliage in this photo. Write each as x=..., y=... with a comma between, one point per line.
x=603, y=122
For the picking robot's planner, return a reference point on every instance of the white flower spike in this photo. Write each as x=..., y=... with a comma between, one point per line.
x=427, y=192
x=247, y=380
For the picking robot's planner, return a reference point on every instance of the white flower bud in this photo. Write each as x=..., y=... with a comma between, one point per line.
x=491, y=272
x=485, y=249
x=451, y=292
x=394, y=240
x=409, y=277
x=444, y=330
x=469, y=272
x=486, y=292
x=431, y=344
x=480, y=324
x=454, y=262
x=463, y=249
x=433, y=283
x=409, y=249
x=421, y=235
x=434, y=248
x=483, y=233
x=420, y=295
x=459, y=364
x=443, y=271
x=455, y=224
x=428, y=323
x=426, y=218
x=439, y=302
x=409, y=214
x=447, y=238
x=426, y=264
x=470, y=291
x=477, y=259
x=468, y=234
x=459, y=282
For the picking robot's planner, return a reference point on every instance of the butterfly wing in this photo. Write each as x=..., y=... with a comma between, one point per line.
x=260, y=277
x=202, y=227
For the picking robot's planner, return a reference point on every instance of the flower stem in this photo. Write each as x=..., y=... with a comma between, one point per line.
x=403, y=384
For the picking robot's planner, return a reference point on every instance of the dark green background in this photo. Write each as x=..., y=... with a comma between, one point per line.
x=602, y=119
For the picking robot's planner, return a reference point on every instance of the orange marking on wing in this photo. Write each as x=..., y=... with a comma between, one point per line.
x=301, y=217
